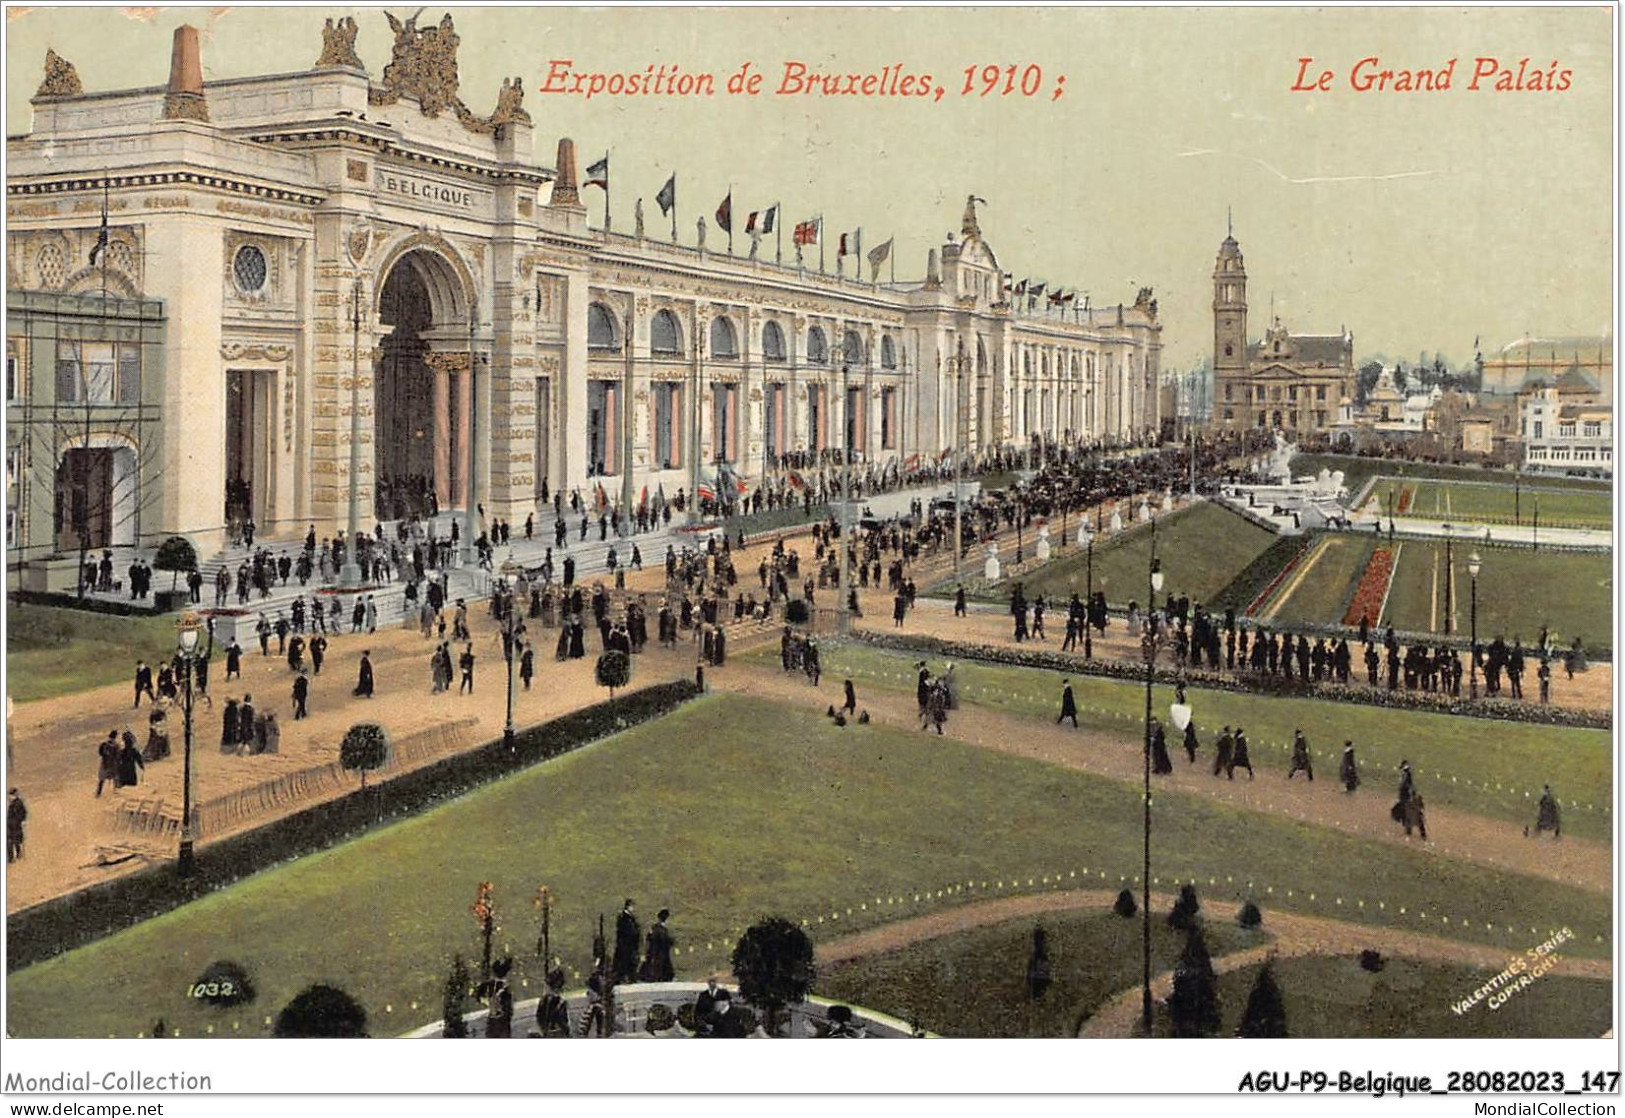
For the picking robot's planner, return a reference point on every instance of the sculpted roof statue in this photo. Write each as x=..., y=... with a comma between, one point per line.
x=338, y=45
x=423, y=65
x=61, y=79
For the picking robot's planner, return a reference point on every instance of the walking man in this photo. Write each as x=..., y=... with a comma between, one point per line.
x=1069, y=705
x=301, y=692
x=466, y=663
x=1300, y=757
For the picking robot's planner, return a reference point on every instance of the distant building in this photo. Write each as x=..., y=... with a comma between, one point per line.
x=1293, y=383
x=1560, y=436
x=1529, y=361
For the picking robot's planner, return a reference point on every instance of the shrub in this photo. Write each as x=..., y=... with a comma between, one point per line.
x=454, y=999
x=1125, y=906
x=1372, y=960
x=1265, y=1015
x=1194, y=1005
x=614, y=669
x=223, y=983
x=176, y=554
x=1186, y=907
x=774, y=963
x=1249, y=916
x=659, y=1018
x=365, y=747
x=1038, y=968
x=321, y=1011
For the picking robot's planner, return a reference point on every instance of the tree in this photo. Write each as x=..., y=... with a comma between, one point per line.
x=365, y=747
x=1366, y=380
x=176, y=554
x=1194, y=1005
x=1125, y=906
x=1265, y=1015
x=1400, y=377
x=1249, y=916
x=453, y=999
x=773, y=961
x=321, y=1011
x=614, y=670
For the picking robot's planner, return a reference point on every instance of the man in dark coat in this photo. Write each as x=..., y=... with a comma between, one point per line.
x=143, y=683
x=245, y=721
x=234, y=660
x=1238, y=757
x=1069, y=705
x=851, y=704
x=107, y=761
x=657, y=965
x=1190, y=741
x=1348, y=771
x=301, y=693
x=1300, y=757
x=466, y=663
x=16, y=816
x=1548, y=819
x=726, y=1024
x=624, y=966
x=363, y=686
x=129, y=762
x=318, y=651
x=705, y=1006
x=1225, y=748
x=228, y=728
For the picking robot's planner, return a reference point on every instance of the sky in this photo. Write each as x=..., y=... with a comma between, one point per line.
x=1418, y=220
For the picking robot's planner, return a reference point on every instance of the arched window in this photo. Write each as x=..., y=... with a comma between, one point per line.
x=888, y=353
x=852, y=348
x=772, y=342
x=602, y=331
x=817, y=347
x=665, y=334
x=723, y=342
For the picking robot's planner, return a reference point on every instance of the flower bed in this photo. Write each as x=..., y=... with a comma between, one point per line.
x=1274, y=583
x=1407, y=494
x=1372, y=590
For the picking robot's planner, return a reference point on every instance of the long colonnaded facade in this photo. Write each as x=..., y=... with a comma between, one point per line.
x=290, y=258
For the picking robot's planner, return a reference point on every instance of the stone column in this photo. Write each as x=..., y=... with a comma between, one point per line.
x=465, y=424
x=442, y=438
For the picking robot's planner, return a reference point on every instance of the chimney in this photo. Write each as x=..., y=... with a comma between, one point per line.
x=933, y=271
x=183, y=99
x=565, y=193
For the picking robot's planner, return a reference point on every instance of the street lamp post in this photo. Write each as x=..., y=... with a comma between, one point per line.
x=1473, y=565
x=471, y=513
x=350, y=575
x=1148, y=644
x=510, y=642
x=1087, y=538
x=1449, y=556
x=186, y=861
x=1021, y=515
x=845, y=577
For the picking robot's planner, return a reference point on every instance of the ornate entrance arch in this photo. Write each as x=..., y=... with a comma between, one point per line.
x=423, y=394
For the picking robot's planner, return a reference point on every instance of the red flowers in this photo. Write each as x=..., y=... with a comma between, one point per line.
x=1373, y=589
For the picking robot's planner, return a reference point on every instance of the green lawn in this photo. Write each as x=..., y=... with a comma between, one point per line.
x=1321, y=597
x=974, y=983
x=1328, y=996
x=1202, y=549
x=704, y=813
x=51, y=651
x=1487, y=767
x=1500, y=504
x=1518, y=592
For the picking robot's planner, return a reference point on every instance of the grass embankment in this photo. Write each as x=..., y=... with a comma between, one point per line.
x=52, y=652
x=705, y=813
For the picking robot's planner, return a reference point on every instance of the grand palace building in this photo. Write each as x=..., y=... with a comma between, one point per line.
x=221, y=294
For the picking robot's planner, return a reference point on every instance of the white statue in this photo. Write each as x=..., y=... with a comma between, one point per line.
x=1117, y=520
x=1042, y=550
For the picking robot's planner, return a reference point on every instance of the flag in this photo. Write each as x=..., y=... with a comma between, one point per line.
x=705, y=491
x=848, y=245
x=761, y=221
x=740, y=485
x=598, y=174
x=1069, y=296
x=643, y=499
x=807, y=231
x=796, y=481
x=725, y=214
x=877, y=256
x=945, y=455
x=1036, y=290
x=1055, y=299
x=601, y=499
x=667, y=198
x=911, y=463
x=1021, y=288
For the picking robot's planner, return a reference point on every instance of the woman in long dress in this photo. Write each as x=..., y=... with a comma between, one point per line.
x=157, y=734
x=1160, y=764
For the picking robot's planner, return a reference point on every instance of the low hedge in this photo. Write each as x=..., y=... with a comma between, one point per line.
x=131, y=608
x=1505, y=710
x=62, y=924
x=1251, y=580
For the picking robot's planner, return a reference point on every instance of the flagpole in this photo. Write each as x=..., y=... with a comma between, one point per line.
x=893, y=255
x=730, y=219
x=820, y=244
x=857, y=254
x=606, y=189
x=674, y=208
x=778, y=234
